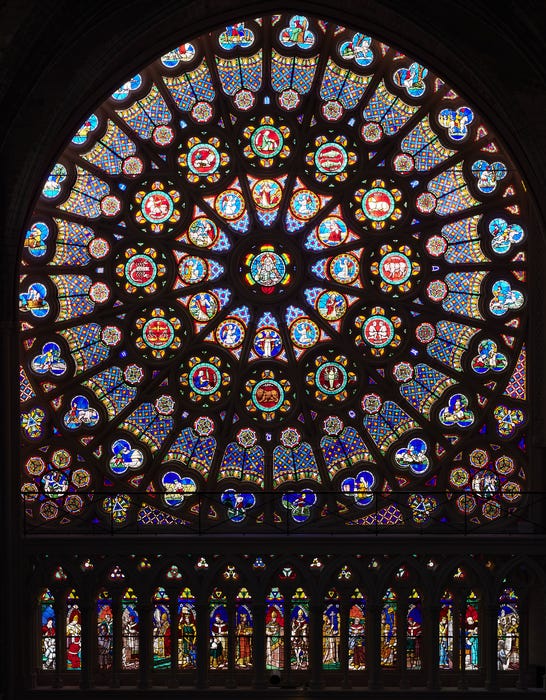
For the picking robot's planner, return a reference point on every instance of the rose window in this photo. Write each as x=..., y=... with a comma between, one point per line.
x=288, y=263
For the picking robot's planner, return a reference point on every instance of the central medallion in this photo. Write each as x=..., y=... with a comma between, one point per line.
x=267, y=269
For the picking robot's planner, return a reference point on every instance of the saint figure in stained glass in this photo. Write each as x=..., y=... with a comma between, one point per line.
x=243, y=630
x=219, y=626
x=471, y=633
x=73, y=633
x=389, y=624
x=331, y=632
x=445, y=631
x=47, y=622
x=105, y=631
x=414, y=632
x=161, y=630
x=274, y=630
x=129, y=631
x=187, y=630
x=357, y=631
x=508, y=623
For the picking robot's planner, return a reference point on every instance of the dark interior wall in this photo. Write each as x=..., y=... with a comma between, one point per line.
x=536, y=627
x=58, y=58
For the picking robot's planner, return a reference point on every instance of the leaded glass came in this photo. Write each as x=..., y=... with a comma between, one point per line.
x=290, y=258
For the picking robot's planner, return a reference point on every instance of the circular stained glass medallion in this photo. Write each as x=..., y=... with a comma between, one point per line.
x=267, y=141
x=140, y=270
x=158, y=333
x=157, y=207
x=378, y=204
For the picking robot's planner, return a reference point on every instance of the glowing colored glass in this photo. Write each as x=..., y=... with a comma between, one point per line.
x=281, y=263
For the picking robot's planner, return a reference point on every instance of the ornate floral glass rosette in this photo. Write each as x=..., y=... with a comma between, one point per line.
x=287, y=258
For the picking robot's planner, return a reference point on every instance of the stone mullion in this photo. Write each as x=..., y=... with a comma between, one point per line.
x=287, y=675
x=60, y=640
x=145, y=645
x=258, y=645
x=344, y=609
x=373, y=646
x=430, y=620
x=402, y=641
x=491, y=649
x=461, y=644
x=35, y=632
x=116, y=639
x=202, y=644
x=232, y=644
x=523, y=637
x=173, y=614
x=315, y=646
x=88, y=652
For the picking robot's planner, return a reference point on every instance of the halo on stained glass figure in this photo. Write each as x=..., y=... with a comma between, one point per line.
x=343, y=257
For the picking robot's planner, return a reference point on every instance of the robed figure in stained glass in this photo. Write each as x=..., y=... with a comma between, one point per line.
x=357, y=643
x=274, y=630
x=244, y=638
x=414, y=633
x=162, y=636
x=300, y=638
x=508, y=631
x=445, y=632
x=388, y=629
x=129, y=631
x=105, y=646
x=105, y=640
x=471, y=638
x=48, y=632
x=187, y=633
x=73, y=638
x=330, y=637
x=218, y=638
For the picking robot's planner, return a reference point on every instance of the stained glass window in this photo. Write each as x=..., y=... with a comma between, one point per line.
x=161, y=629
x=105, y=631
x=331, y=631
x=389, y=629
x=471, y=633
x=299, y=631
x=129, y=631
x=283, y=255
x=243, y=629
x=219, y=626
x=446, y=631
x=73, y=632
x=508, y=631
x=274, y=630
x=48, y=631
x=357, y=631
x=187, y=630
x=414, y=632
